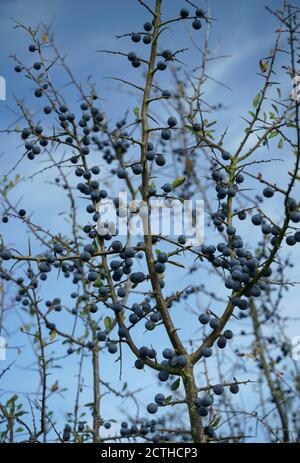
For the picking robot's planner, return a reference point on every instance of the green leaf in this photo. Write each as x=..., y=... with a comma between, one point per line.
x=19, y=430
x=211, y=123
x=178, y=182
x=168, y=399
x=209, y=134
x=280, y=143
x=52, y=335
x=89, y=404
x=21, y=413
x=215, y=421
x=175, y=385
x=107, y=323
x=273, y=134
x=98, y=283
x=189, y=127
x=263, y=65
x=136, y=112
x=256, y=100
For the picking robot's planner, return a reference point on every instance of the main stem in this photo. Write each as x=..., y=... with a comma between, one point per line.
x=171, y=330
x=96, y=404
x=191, y=394
x=197, y=430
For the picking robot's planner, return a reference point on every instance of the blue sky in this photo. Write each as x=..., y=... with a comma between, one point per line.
x=241, y=29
